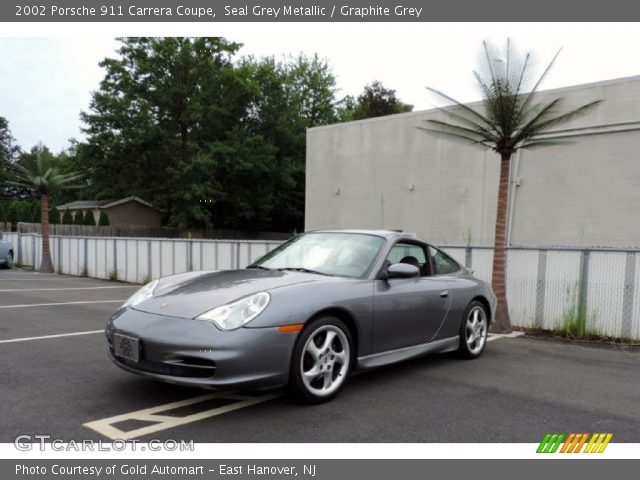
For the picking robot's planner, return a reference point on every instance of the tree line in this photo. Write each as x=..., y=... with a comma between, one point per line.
x=211, y=138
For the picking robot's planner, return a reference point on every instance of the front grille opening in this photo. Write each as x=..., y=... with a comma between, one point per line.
x=190, y=361
x=176, y=366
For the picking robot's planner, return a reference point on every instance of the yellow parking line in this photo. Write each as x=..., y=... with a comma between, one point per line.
x=163, y=422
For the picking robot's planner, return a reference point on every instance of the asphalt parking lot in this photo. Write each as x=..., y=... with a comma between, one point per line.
x=58, y=381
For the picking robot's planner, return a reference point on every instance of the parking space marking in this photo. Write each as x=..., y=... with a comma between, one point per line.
x=497, y=336
x=63, y=303
x=27, y=279
x=64, y=288
x=45, y=337
x=163, y=422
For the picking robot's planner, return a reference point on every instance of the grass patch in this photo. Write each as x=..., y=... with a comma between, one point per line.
x=577, y=324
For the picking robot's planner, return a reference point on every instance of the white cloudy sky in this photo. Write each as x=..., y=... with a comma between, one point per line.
x=46, y=78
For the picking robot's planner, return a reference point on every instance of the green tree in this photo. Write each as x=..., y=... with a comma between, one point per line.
x=312, y=85
x=54, y=216
x=510, y=119
x=158, y=103
x=34, y=211
x=103, y=221
x=282, y=108
x=177, y=122
x=40, y=172
x=9, y=153
x=375, y=101
x=25, y=213
x=89, y=219
x=67, y=217
x=12, y=214
x=78, y=218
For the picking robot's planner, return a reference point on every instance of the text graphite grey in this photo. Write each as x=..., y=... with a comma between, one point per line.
x=229, y=11
x=318, y=11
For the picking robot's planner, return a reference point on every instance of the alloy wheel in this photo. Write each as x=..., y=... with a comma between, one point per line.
x=324, y=364
x=476, y=330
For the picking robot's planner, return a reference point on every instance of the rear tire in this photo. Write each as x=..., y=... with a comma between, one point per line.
x=473, y=331
x=322, y=360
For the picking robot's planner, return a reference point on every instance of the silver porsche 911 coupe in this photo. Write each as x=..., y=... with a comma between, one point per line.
x=304, y=315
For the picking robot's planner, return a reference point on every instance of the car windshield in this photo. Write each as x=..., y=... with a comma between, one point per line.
x=340, y=254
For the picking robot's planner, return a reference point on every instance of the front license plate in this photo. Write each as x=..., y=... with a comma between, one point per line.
x=126, y=347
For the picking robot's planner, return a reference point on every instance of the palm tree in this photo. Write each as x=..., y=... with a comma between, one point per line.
x=41, y=173
x=510, y=119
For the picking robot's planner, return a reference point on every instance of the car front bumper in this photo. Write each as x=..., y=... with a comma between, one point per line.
x=196, y=353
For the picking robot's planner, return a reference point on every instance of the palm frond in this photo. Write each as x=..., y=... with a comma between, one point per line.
x=529, y=129
x=565, y=117
x=42, y=174
x=449, y=112
x=511, y=119
x=456, y=136
x=466, y=108
x=544, y=143
x=530, y=96
x=469, y=132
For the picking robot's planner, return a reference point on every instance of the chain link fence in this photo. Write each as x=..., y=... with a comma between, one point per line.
x=543, y=284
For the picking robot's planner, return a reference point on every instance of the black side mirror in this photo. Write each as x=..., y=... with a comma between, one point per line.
x=402, y=270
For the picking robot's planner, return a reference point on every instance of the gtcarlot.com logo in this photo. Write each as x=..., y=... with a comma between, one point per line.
x=574, y=442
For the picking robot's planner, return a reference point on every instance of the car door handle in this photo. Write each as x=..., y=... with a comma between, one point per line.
x=444, y=293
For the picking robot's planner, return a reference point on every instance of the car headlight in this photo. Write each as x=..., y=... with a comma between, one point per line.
x=141, y=295
x=236, y=314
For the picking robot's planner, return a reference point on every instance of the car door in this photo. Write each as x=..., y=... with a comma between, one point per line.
x=408, y=311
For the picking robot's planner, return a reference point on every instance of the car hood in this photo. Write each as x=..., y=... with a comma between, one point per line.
x=190, y=295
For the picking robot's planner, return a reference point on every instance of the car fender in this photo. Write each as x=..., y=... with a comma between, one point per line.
x=299, y=304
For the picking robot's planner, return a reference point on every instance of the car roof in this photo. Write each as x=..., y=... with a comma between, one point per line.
x=388, y=234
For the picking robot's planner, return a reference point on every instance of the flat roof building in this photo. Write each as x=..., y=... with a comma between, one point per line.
x=386, y=173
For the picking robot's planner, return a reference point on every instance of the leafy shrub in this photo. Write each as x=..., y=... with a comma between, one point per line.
x=89, y=219
x=103, y=221
x=67, y=218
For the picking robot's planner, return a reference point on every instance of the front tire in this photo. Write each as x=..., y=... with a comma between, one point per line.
x=322, y=360
x=473, y=330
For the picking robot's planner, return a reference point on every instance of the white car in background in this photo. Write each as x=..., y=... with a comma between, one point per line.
x=6, y=253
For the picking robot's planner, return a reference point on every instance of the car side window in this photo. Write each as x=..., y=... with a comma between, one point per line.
x=442, y=262
x=411, y=253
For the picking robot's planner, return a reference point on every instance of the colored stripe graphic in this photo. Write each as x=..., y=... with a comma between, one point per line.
x=581, y=443
x=574, y=442
x=550, y=443
x=598, y=442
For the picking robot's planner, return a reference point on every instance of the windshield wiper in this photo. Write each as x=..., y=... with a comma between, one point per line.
x=258, y=267
x=305, y=270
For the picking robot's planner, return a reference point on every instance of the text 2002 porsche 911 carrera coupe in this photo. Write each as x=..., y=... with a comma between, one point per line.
x=304, y=315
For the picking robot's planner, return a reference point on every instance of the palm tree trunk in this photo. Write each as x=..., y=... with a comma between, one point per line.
x=502, y=322
x=46, y=265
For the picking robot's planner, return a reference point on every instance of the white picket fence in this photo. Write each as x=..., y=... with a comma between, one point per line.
x=543, y=284
x=137, y=260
